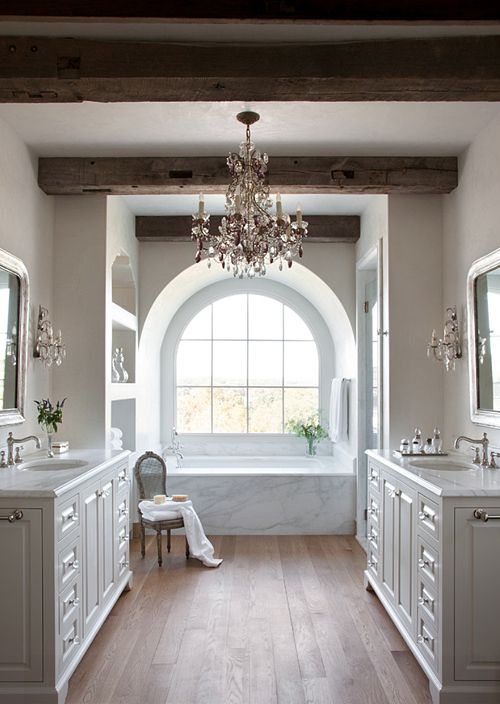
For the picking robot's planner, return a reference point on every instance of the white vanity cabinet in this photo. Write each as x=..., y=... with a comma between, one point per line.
x=435, y=566
x=64, y=563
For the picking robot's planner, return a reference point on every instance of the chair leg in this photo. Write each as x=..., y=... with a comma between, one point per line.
x=158, y=542
x=169, y=532
x=143, y=540
x=187, y=549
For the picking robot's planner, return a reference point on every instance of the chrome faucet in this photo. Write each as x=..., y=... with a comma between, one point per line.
x=11, y=441
x=175, y=446
x=484, y=442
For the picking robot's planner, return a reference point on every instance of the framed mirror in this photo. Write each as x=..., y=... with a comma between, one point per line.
x=14, y=307
x=483, y=308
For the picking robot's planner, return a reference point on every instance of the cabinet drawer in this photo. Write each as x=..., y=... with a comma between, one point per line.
x=427, y=602
x=373, y=509
x=426, y=640
x=122, y=512
x=70, y=604
x=427, y=561
x=69, y=564
x=428, y=516
x=123, y=560
x=372, y=563
x=67, y=516
x=373, y=536
x=69, y=642
x=374, y=478
x=122, y=481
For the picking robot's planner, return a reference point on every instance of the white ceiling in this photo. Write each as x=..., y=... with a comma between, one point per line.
x=210, y=129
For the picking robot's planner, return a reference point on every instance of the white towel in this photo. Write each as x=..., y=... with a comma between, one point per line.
x=199, y=545
x=339, y=410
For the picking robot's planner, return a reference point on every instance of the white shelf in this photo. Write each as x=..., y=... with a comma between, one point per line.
x=122, y=319
x=120, y=392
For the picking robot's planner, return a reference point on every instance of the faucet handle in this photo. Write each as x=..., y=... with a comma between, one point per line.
x=477, y=458
x=3, y=463
x=492, y=464
x=18, y=459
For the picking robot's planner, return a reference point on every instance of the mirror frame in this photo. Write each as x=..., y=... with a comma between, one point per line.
x=15, y=266
x=480, y=266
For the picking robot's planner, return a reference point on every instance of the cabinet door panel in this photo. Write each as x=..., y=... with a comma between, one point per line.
x=92, y=557
x=108, y=537
x=405, y=552
x=477, y=601
x=388, y=536
x=21, y=605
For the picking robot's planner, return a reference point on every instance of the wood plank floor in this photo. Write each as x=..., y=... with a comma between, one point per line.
x=283, y=620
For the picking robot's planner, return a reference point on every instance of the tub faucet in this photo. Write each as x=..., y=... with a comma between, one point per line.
x=11, y=441
x=484, y=442
x=175, y=446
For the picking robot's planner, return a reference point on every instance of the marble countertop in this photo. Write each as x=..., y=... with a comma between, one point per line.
x=45, y=483
x=475, y=481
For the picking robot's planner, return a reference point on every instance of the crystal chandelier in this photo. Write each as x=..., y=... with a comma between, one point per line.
x=249, y=237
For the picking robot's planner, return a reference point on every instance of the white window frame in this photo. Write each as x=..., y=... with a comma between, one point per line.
x=265, y=287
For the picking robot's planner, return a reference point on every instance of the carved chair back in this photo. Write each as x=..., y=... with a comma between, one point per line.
x=151, y=475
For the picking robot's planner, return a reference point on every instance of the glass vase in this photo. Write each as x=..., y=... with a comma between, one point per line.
x=311, y=446
x=49, y=429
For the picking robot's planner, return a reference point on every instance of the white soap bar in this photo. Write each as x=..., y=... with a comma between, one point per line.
x=159, y=498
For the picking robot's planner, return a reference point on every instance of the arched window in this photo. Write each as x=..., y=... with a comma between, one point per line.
x=245, y=363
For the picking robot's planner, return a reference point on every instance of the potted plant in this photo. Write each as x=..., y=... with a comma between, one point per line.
x=310, y=429
x=49, y=417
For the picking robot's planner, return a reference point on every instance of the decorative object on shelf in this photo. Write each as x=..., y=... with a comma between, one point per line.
x=249, y=238
x=49, y=348
x=309, y=429
x=119, y=374
x=447, y=349
x=49, y=417
x=116, y=439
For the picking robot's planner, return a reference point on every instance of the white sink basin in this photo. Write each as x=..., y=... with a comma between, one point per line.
x=439, y=465
x=52, y=463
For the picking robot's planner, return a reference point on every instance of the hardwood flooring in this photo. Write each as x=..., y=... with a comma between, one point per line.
x=283, y=620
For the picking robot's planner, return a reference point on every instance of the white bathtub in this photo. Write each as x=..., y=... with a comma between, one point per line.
x=267, y=495
x=215, y=465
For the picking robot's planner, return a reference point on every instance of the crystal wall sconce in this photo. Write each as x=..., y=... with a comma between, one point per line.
x=447, y=349
x=49, y=348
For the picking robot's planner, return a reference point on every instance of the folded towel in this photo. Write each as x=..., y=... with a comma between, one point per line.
x=339, y=410
x=199, y=545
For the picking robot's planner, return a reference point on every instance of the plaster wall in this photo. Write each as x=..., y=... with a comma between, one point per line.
x=26, y=230
x=471, y=216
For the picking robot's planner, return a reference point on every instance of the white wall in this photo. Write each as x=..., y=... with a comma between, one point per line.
x=80, y=312
x=332, y=268
x=471, y=218
x=26, y=227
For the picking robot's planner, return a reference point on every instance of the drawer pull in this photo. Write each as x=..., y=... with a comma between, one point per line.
x=394, y=492
x=74, y=602
x=74, y=639
x=423, y=600
x=14, y=516
x=75, y=564
x=371, y=563
x=372, y=539
x=71, y=517
x=423, y=515
x=123, y=478
x=424, y=563
x=124, y=563
x=123, y=512
x=373, y=511
x=424, y=639
x=482, y=515
x=124, y=538
x=103, y=494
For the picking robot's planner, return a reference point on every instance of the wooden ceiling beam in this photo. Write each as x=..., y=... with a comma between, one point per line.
x=58, y=70
x=177, y=228
x=165, y=175
x=253, y=11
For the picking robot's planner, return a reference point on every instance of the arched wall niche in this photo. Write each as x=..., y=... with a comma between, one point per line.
x=190, y=282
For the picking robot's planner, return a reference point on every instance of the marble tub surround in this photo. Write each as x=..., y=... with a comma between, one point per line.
x=276, y=504
x=224, y=465
x=44, y=483
x=475, y=481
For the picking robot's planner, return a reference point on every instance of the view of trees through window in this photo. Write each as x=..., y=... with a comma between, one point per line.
x=245, y=364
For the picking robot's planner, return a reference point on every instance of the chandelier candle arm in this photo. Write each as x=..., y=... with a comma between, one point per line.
x=249, y=238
